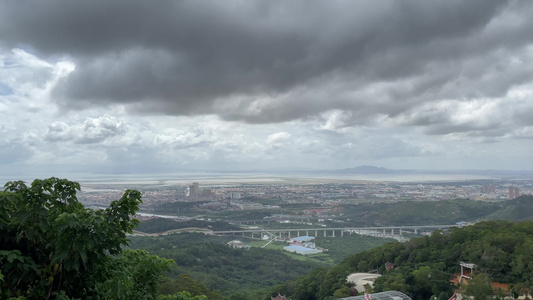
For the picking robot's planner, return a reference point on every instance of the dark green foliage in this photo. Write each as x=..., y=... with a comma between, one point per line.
x=52, y=246
x=182, y=296
x=302, y=288
x=437, y=212
x=180, y=246
x=184, y=282
x=518, y=209
x=341, y=247
x=157, y=225
x=132, y=275
x=162, y=224
x=238, y=269
x=479, y=287
x=222, y=268
x=424, y=266
x=160, y=243
x=417, y=212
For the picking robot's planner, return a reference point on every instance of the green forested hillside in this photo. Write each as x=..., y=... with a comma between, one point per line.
x=205, y=263
x=502, y=251
x=340, y=247
x=222, y=268
x=385, y=214
x=518, y=209
x=438, y=212
x=417, y=212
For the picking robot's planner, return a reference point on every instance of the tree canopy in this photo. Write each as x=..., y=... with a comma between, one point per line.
x=52, y=247
x=423, y=267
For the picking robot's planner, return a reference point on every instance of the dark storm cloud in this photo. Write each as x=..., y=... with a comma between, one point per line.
x=273, y=61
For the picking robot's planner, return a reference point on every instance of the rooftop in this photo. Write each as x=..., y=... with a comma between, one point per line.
x=300, y=248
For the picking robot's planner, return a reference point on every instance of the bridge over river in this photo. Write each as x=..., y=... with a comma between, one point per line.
x=385, y=231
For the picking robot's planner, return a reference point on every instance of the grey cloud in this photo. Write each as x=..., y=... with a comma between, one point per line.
x=203, y=145
x=189, y=139
x=275, y=61
x=522, y=112
x=91, y=131
x=58, y=132
x=376, y=148
x=13, y=151
x=524, y=133
x=469, y=129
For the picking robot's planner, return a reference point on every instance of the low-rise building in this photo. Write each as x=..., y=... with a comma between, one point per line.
x=301, y=250
x=302, y=245
x=236, y=244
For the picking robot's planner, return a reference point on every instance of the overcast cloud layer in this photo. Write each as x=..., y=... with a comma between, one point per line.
x=239, y=85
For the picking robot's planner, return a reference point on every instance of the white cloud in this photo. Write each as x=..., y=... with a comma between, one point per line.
x=58, y=131
x=278, y=138
x=97, y=130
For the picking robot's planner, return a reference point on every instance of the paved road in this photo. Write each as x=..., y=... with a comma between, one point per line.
x=360, y=279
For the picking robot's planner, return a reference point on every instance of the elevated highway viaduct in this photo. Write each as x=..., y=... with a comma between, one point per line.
x=333, y=232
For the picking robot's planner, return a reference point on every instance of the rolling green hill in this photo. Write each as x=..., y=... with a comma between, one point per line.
x=503, y=251
x=518, y=209
x=211, y=262
x=208, y=261
x=417, y=212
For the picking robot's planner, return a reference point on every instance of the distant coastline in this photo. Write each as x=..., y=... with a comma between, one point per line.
x=363, y=173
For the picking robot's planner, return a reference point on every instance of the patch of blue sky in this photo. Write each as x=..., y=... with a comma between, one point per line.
x=5, y=90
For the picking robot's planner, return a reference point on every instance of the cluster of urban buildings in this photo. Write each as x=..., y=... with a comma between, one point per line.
x=372, y=191
x=488, y=189
x=514, y=192
x=245, y=197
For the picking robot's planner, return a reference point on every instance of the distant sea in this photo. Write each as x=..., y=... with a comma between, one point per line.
x=213, y=178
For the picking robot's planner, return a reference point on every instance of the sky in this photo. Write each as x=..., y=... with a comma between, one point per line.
x=141, y=86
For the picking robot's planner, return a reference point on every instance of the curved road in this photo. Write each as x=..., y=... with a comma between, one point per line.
x=360, y=279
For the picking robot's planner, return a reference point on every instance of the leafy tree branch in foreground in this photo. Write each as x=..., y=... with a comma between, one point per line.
x=52, y=247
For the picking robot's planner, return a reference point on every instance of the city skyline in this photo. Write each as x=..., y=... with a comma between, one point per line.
x=131, y=86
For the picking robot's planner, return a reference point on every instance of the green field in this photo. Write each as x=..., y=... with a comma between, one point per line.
x=208, y=260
